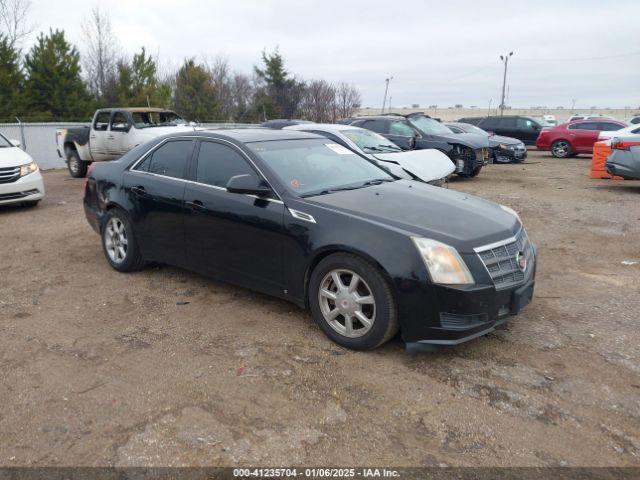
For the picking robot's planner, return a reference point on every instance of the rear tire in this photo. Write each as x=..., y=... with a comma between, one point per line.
x=561, y=149
x=119, y=242
x=360, y=315
x=77, y=168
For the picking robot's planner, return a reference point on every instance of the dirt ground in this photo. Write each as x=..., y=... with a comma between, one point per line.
x=166, y=367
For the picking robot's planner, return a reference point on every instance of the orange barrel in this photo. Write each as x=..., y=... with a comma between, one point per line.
x=601, y=151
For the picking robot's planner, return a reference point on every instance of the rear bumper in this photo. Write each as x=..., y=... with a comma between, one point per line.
x=623, y=164
x=26, y=189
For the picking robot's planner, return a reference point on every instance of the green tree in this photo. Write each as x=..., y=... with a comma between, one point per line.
x=280, y=93
x=11, y=80
x=196, y=94
x=53, y=86
x=138, y=83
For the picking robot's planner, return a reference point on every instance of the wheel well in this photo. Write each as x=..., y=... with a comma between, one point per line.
x=331, y=251
x=69, y=146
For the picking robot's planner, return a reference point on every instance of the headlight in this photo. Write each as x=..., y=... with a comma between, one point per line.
x=28, y=168
x=511, y=211
x=507, y=147
x=444, y=263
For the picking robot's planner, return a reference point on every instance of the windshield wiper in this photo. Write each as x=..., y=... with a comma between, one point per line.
x=368, y=183
x=377, y=181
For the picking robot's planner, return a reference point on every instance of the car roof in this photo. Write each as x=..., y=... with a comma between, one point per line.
x=323, y=127
x=248, y=135
x=136, y=109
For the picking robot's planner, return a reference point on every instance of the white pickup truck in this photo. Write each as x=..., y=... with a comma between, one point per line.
x=112, y=133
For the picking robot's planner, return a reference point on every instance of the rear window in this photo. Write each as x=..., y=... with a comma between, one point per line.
x=609, y=126
x=584, y=126
x=169, y=160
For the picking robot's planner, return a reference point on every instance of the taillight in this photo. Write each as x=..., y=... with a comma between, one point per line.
x=621, y=144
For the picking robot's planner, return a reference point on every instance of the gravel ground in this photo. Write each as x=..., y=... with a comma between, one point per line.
x=166, y=367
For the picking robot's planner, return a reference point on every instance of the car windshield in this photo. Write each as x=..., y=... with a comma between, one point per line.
x=157, y=119
x=466, y=128
x=370, y=141
x=316, y=167
x=429, y=125
x=4, y=142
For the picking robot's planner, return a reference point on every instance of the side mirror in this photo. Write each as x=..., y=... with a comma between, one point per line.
x=15, y=143
x=248, y=185
x=412, y=143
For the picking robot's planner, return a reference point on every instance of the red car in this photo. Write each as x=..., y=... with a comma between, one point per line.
x=572, y=138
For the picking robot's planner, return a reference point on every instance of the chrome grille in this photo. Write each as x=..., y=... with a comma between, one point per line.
x=9, y=174
x=501, y=260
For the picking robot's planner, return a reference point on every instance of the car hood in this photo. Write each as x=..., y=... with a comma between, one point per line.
x=495, y=140
x=455, y=218
x=13, y=156
x=428, y=165
x=467, y=139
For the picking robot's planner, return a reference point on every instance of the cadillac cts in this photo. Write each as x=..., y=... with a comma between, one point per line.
x=295, y=215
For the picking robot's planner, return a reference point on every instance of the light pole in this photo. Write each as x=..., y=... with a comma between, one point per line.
x=386, y=90
x=505, y=60
x=489, y=110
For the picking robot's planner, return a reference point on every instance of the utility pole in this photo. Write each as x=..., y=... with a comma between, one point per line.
x=489, y=110
x=573, y=105
x=505, y=60
x=386, y=90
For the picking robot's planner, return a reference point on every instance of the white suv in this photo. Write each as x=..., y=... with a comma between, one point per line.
x=20, y=178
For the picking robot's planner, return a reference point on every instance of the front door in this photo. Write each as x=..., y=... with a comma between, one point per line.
x=98, y=136
x=117, y=141
x=528, y=130
x=234, y=237
x=155, y=188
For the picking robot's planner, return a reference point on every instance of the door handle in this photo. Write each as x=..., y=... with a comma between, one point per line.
x=572, y=134
x=196, y=205
x=139, y=190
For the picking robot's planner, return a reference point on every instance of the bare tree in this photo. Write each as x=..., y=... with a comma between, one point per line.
x=243, y=93
x=221, y=76
x=319, y=101
x=101, y=56
x=348, y=100
x=13, y=20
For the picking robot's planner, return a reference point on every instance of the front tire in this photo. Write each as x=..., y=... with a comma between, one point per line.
x=77, y=168
x=352, y=302
x=119, y=242
x=561, y=149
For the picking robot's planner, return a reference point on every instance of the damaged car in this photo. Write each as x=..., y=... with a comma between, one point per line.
x=468, y=152
x=430, y=166
x=501, y=149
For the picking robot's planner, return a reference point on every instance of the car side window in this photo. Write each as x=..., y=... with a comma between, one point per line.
x=401, y=128
x=378, y=126
x=101, y=123
x=524, y=123
x=169, y=160
x=217, y=163
x=584, y=126
x=488, y=123
x=119, y=122
x=609, y=126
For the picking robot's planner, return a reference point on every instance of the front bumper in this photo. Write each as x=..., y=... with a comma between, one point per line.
x=29, y=188
x=507, y=155
x=457, y=314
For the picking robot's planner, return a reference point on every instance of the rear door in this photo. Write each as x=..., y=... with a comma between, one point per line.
x=583, y=135
x=98, y=137
x=527, y=130
x=235, y=237
x=155, y=187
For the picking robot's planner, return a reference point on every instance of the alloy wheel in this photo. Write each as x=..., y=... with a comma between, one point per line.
x=347, y=303
x=561, y=149
x=115, y=240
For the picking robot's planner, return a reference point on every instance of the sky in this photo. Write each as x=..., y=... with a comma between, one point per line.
x=438, y=52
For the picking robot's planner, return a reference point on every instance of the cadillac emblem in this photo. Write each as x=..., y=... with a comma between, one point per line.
x=522, y=261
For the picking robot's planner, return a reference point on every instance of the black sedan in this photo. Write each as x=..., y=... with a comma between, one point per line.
x=501, y=149
x=297, y=216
